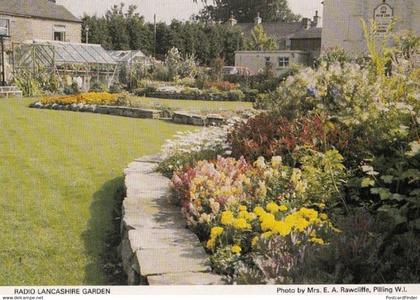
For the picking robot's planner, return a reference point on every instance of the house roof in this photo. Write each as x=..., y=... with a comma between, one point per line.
x=311, y=33
x=38, y=9
x=278, y=30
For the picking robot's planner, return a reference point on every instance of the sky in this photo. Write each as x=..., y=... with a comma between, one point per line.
x=166, y=10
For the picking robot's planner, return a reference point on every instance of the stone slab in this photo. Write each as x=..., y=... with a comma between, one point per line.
x=167, y=260
x=162, y=238
x=185, y=278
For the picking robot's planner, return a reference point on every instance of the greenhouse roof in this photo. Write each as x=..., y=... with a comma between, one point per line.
x=73, y=53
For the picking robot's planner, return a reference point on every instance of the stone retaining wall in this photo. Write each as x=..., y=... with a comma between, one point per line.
x=157, y=248
x=124, y=111
x=132, y=112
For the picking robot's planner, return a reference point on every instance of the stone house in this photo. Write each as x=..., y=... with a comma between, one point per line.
x=342, y=21
x=297, y=42
x=26, y=20
x=29, y=20
x=280, y=60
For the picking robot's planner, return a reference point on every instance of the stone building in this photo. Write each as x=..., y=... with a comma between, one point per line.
x=280, y=60
x=284, y=32
x=342, y=20
x=26, y=20
x=298, y=43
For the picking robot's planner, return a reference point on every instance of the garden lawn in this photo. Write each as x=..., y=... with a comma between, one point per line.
x=59, y=173
x=191, y=105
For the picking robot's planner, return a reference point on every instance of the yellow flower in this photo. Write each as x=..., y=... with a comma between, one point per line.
x=216, y=231
x=241, y=224
x=267, y=222
x=251, y=216
x=236, y=249
x=301, y=224
x=283, y=208
x=272, y=207
x=259, y=211
x=211, y=243
x=318, y=241
x=243, y=208
x=267, y=235
x=323, y=217
x=276, y=161
x=282, y=228
x=261, y=191
x=310, y=214
x=227, y=218
x=260, y=163
x=254, y=240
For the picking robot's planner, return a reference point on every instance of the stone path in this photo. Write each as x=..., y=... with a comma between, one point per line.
x=157, y=248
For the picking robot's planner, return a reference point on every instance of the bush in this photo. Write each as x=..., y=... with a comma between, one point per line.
x=72, y=89
x=98, y=87
x=269, y=135
x=116, y=88
x=220, y=85
x=235, y=95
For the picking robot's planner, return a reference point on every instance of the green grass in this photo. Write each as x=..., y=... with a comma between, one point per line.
x=59, y=172
x=192, y=105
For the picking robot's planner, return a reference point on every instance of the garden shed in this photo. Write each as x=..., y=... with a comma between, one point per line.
x=70, y=62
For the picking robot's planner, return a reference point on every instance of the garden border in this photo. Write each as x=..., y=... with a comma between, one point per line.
x=157, y=248
x=179, y=117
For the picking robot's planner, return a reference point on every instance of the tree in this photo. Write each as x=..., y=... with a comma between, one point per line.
x=117, y=27
x=124, y=28
x=246, y=10
x=260, y=40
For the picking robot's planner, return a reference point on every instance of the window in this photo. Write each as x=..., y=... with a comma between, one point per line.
x=283, y=62
x=4, y=27
x=59, y=33
x=267, y=60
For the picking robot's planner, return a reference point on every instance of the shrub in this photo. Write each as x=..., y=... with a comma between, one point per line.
x=220, y=85
x=235, y=95
x=72, y=89
x=268, y=135
x=116, y=88
x=98, y=87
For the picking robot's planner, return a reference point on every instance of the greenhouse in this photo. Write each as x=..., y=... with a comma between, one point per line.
x=70, y=62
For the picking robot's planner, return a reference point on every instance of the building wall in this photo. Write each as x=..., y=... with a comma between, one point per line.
x=342, y=25
x=22, y=29
x=255, y=61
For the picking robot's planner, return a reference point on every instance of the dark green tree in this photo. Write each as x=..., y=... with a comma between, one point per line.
x=246, y=10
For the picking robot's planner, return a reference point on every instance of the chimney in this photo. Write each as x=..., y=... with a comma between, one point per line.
x=258, y=19
x=306, y=23
x=232, y=21
x=315, y=22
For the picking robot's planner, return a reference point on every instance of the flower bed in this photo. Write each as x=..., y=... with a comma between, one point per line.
x=324, y=187
x=233, y=205
x=101, y=98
